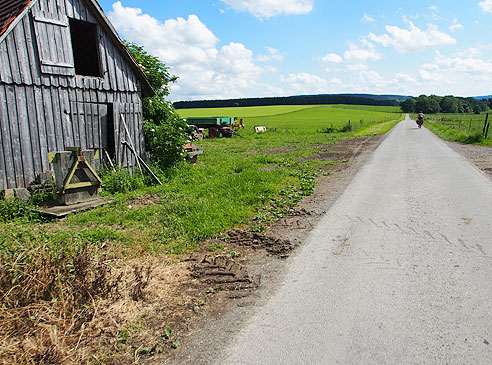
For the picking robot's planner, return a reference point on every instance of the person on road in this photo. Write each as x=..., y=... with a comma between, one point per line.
x=420, y=119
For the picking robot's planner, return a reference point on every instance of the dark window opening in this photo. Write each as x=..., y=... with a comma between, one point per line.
x=110, y=141
x=84, y=46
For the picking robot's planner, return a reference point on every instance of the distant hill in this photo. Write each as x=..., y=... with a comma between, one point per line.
x=486, y=97
x=351, y=99
x=380, y=97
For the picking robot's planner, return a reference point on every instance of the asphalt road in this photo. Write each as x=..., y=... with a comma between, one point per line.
x=399, y=270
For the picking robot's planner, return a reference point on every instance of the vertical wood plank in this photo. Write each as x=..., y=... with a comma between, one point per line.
x=33, y=130
x=111, y=66
x=41, y=127
x=103, y=52
x=58, y=120
x=3, y=173
x=49, y=119
x=43, y=5
x=6, y=139
x=13, y=60
x=82, y=10
x=52, y=8
x=82, y=124
x=67, y=125
x=74, y=116
x=5, y=73
x=32, y=50
x=22, y=55
x=60, y=4
x=15, y=135
x=3, y=167
x=119, y=73
x=69, y=8
x=76, y=9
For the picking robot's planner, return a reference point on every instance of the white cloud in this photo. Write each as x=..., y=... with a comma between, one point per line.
x=486, y=5
x=332, y=58
x=431, y=76
x=264, y=9
x=455, y=26
x=433, y=8
x=401, y=77
x=190, y=49
x=470, y=65
x=305, y=83
x=413, y=39
x=273, y=54
x=358, y=54
x=367, y=19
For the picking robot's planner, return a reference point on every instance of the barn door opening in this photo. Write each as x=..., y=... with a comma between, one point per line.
x=108, y=131
x=93, y=127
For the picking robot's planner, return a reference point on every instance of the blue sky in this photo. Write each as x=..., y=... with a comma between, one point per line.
x=248, y=48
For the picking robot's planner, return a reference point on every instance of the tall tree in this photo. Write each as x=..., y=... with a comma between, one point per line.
x=449, y=104
x=164, y=130
x=422, y=104
x=408, y=106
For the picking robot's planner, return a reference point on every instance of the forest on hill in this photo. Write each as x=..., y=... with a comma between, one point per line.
x=324, y=99
x=445, y=104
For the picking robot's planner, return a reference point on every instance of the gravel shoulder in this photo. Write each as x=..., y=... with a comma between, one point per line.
x=480, y=156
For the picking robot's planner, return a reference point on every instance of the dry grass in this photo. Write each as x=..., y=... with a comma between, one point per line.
x=75, y=310
x=47, y=301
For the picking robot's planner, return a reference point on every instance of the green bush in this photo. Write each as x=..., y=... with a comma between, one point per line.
x=165, y=142
x=344, y=129
x=12, y=208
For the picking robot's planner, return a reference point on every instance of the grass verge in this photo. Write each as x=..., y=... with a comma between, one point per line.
x=461, y=128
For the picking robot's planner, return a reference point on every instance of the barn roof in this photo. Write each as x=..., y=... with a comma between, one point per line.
x=13, y=10
x=9, y=11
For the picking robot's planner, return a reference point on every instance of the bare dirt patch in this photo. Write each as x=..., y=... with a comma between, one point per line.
x=147, y=199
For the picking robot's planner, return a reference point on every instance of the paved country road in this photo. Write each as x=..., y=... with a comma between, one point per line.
x=399, y=270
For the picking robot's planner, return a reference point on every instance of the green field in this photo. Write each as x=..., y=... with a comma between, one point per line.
x=261, y=111
x=242, y=112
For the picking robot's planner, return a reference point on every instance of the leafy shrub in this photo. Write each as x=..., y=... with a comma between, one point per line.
x=165, y=141
x=121, y=181
x=346, y=128
x=14, y=208
x=328, y=130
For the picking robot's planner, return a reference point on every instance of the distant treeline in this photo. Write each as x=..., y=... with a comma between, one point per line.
x=445, y=104
x=292, y=100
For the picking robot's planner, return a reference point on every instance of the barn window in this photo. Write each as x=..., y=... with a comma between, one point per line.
x=84, y=46
x=53, y=41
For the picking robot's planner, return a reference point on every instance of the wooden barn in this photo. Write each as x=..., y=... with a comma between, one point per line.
x=66, y=79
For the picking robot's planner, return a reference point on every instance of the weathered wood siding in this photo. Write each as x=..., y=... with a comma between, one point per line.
x=45, y=107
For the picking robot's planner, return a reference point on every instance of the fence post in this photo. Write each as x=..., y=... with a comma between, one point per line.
x=487, y=131
x=485, y=124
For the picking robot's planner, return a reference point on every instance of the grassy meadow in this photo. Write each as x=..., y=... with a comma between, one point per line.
x=464, y=128
x=233, y=180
